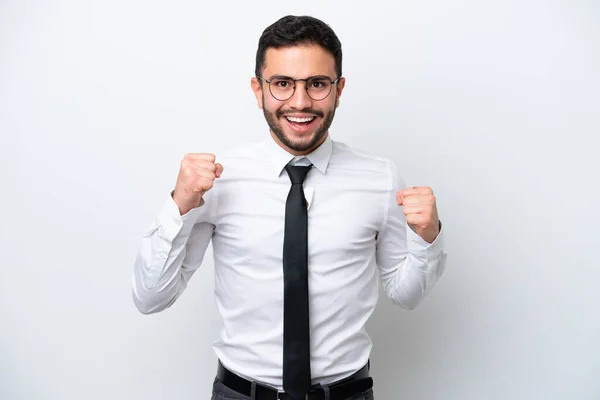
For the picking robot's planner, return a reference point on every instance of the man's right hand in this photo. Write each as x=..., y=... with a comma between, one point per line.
x=196, y=176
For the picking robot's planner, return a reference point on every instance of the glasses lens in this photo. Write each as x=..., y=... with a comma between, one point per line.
x=281, y=88
x=318, y=88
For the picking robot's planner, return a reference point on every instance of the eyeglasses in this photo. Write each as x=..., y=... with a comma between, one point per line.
x=283, y=88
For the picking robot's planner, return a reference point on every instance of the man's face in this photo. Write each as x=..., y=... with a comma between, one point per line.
x=298, y=62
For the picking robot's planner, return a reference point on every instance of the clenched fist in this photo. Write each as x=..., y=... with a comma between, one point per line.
x=196, y=176
x=419, y=207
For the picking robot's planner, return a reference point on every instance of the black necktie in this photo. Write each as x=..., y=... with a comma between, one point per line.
x=296, y=334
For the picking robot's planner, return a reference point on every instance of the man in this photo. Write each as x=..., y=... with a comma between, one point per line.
x=301, y=226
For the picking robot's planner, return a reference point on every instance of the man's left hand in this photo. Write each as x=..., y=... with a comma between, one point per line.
x=418, y=205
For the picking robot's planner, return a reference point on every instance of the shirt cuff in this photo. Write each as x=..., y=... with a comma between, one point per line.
x=417, y=245
x=171, y=223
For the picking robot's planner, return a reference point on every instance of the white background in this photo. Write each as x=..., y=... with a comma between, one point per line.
x=494, y=104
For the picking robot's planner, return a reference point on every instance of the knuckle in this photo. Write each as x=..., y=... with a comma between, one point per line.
x=211, y=167
x=187, y=162
x=210, y=156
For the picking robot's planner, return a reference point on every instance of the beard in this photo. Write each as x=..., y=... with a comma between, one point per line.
x=297, y=145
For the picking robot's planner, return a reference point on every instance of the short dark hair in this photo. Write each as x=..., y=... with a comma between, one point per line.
x=299, y=30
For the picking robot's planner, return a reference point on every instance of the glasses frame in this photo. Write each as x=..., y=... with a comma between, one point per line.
x=305, y=80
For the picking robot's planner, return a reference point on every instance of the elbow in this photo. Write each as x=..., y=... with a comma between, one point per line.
x=409, y=290
x=143, y=303
x=148, y=311
x=406, y=296
x=143, y=307
x=149, y=304
x=144, y=298
x=409, y=303
x=150, y=295
x=151, y=301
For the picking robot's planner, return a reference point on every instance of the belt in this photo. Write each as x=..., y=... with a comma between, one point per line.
x=340, y=390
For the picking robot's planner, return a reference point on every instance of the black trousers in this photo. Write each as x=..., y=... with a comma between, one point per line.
x=222, y=392
x=229, y=385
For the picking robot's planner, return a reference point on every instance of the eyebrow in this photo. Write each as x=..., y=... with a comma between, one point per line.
x=310, y=77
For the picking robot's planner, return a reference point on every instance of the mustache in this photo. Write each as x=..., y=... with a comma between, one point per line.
x=316, y=113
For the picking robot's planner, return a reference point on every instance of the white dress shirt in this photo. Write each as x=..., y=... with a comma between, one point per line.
x=357, y=233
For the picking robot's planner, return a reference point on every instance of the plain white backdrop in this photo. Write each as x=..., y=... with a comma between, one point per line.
x=493, y=104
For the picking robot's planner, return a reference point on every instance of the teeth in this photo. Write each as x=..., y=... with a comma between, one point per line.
x=294, y=119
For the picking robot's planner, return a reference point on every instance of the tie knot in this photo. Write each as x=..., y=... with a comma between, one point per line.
x=297, y=173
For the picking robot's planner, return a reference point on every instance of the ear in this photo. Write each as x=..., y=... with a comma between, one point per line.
x=255, y=84
x=339, y=88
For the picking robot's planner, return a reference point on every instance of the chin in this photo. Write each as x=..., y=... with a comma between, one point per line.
x=299, y=132
x=303, y=144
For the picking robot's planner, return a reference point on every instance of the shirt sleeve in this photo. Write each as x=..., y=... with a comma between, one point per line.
x=171, y=251
x=409, y=266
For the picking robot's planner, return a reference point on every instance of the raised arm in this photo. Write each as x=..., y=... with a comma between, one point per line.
x=174, y=246
x=409, y=264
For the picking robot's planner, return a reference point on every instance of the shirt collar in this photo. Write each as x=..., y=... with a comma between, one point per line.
x=279, y=157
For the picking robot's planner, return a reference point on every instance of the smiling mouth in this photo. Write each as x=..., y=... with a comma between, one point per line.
x=298, y=120
x=300, y=124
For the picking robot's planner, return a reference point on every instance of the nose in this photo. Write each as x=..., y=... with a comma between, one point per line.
x=300, y=100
